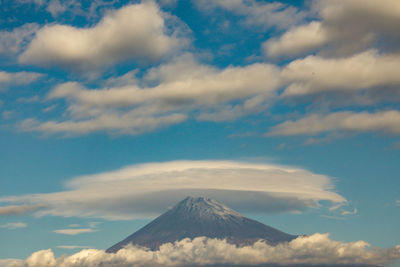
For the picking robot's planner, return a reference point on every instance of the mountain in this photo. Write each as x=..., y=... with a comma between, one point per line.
x=193, y=217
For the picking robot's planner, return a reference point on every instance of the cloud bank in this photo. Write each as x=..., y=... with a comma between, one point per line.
x=145, y=190
x=315, y=249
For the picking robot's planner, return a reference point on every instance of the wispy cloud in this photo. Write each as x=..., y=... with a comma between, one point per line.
x=8, y=79
x=381, y=121
x=257, y=14
x=14, y=225
x=18, y=209
x=75, y=231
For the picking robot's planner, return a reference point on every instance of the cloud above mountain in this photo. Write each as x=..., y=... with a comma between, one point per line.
x=145, y=190
x=314, y=249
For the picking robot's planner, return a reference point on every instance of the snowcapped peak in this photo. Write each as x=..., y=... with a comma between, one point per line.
x=205, y=207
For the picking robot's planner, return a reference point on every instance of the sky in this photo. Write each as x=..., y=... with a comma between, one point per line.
x=113, y=111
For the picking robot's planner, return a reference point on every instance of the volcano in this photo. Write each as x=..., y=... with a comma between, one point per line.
x=194, y=217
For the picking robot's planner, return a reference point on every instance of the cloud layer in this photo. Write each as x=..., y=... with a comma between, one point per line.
x=315, y=249
x=149, y=189
x=166, y=95
x=135, y=32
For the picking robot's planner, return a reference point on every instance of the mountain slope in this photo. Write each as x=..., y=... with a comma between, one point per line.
x=193, y=217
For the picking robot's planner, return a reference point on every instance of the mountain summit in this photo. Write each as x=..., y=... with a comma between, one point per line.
x=193, y=217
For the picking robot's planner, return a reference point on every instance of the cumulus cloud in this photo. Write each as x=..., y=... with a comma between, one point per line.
x=14, y=225
x=310, y=250
x=139, y=32
x=381, y=121
x=74, y=231
x=17, y=209
x=315, y=74
x=256, y=13
x=12, y=42
x=8, y=79
x=165, y=95
x=345, y=27
x=144, y=190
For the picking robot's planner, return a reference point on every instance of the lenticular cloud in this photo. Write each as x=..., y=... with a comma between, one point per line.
x=315, y=249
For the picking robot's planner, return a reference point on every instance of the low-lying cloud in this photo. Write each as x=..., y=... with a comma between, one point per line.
x=310, y=250
x=146, y=190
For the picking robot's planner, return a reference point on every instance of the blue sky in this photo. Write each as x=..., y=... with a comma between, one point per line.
x=112, y=111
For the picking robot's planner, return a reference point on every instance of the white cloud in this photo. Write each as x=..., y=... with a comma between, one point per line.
x=144, y=190
x=166, y=95
x=317, y=249
x=17, y=209
x=297, y=40
x=315, y=74
x=12, y=42
x=8, y=79
x=256, y=13
x=136, y=32
x=346, y=27
x=380, y=121
x=74, y=231
x=398, y=202
x=346, y=212
x=14, y=225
